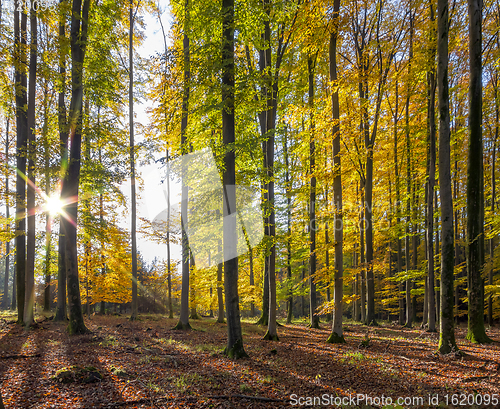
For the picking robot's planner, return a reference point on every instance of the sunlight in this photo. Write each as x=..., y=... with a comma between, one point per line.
x=53, y=205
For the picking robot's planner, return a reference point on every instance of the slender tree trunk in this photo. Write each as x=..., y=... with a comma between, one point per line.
x=220, y=289
x=447, y=342
x=362, y=252
x=409, y=314
x=431, y=132
x=252, y=280
x=133, y=221
x=234, y=348
x=22, y=141
x=314, y=318
x=29, y=301
x=336, y=335
x=289, y=316
x=48, y=217
x=271, y=333
x=184, y=318
x=398, y=210
x=79, y=24
x=169, y=262
x=493, y=200
x=475, y=182
x=5, y=297
x=63, y=146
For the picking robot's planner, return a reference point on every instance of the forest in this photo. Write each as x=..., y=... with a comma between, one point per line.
x=323, y=194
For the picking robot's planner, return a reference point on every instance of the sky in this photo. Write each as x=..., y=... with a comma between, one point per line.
x=152, y=195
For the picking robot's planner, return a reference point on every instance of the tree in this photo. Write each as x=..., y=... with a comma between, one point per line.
x=337, y=334
x=447, y=342
x=184, y=318
x=431, y=132
x=234, y=348
x=5, y=296
x=30, y=253
x=271, y=333
x=22, y=140
x=132, y=161
x=79, y=25
x=60, y=314
x=475, y=182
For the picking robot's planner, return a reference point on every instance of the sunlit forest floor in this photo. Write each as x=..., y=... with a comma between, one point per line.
x=146, y=364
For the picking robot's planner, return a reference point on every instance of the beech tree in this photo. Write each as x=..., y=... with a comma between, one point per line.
x=475, y=182
x=234, y=348
x=447, y=342
x=79, y=26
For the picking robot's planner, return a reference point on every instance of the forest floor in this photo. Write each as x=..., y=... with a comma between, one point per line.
x=146, y=364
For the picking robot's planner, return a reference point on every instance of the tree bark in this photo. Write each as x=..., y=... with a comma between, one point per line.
x=79, y=25
x=133, y=220
x=5, y=296
x=30, y=248
x=431, y=132
x=336, y=335
x=63, y=147
x=220, y=288
x=447, y=342
x=184, y=317
x=409, y=314
x=234, y=348
x=289, y=316
x=271, y=333
x=475, y=182
x=21, y=151
x=314, y=318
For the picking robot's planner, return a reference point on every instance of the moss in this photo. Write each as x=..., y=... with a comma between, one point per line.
x=270, y=337
x=236, y=351
x=181, y=326
x=478, y=337
x=335, y=338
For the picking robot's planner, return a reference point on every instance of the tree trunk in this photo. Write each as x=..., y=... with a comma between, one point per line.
x=5, y=296
x=271, y=333
x=314, y=318
x=234, y=347
x=22, y=141
x=336, y=335
x=184, y=318
x=493, y=200
x=133, y=233
x=48, y=217
x=409, y=313
x=63, y=147
x=220, y=289
x=447, y=342
x=431, y=132
x=362, y=253
x=289, y=315
x=475, y=182
x=30, y=248
x=169, y=262
x=79, y=24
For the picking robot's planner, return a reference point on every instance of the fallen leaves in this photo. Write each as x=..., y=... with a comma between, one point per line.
x=147, y=364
